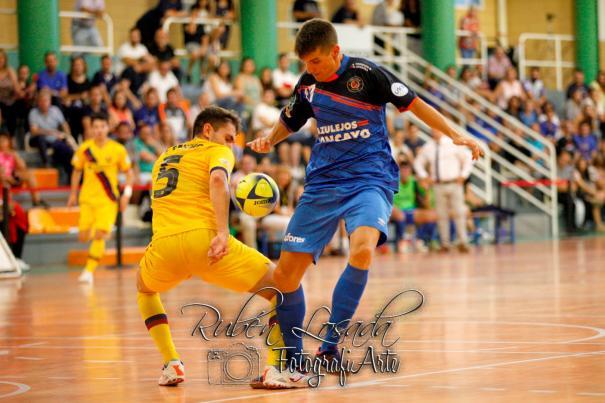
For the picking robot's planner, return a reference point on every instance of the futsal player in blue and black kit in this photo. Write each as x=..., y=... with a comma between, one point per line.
x=351, y=174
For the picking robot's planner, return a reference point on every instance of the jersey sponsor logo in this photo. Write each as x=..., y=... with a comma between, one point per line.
x=361, y=66
x=293, y=238
x=308, y=92
x=382, y=222
x=355, y=84
x=399, y=90
x=338, y=127
x=354, y=134
x=343, y=131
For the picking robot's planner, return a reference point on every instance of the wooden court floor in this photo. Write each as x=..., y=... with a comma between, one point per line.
x=502, y=324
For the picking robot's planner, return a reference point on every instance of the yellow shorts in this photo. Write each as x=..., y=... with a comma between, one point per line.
x=172, y=259
x=97, y=216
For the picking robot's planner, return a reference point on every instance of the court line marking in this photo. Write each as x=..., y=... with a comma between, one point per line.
x=487, y=389
x=3, y=352
x=542, y=391
x=394, y=386
x=418, y=375
x=590, y=394
x=445, y=387
x=32, y=344
x=21, y=388
x=30, y=358
x=61, y=377
x=106, y=361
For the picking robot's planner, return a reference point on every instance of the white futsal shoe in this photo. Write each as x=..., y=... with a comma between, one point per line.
x=272, y=378
x=86, y=277
x=173, y=373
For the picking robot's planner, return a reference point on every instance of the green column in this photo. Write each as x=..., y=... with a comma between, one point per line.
x=259, y=31
x=38, y=31
x=438, y=32
x=587, y=38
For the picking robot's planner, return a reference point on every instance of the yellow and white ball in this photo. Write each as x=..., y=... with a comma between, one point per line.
x=256, y=194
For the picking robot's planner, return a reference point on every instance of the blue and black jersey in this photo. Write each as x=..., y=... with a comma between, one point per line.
x=352, y=144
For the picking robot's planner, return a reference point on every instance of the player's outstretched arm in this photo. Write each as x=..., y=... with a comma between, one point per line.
x=437, y=121
x=219, y=196
x=127, y=194
x=76, y=175
x=264, y=144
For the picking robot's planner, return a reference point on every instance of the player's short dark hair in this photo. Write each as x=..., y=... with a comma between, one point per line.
x=217, y=117
x=99, y=116
x=313, y=34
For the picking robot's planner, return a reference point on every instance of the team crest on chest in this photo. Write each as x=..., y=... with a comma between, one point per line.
x=355, y=84
x=308, y=93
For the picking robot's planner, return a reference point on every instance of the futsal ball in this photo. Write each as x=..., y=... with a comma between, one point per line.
x=256, y=194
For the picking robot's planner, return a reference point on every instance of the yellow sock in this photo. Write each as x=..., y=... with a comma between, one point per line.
x=154, y=315
x=275, y=338
x=95, y=253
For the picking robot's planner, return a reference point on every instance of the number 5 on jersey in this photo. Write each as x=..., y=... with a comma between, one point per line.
x=172, y=174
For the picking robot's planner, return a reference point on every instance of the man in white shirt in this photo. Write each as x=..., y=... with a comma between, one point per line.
x=449, y=167
x=132, y=51
x=162, y=79
x=265, y=114
x=283, y=79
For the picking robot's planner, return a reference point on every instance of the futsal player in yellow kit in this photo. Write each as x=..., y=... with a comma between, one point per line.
x=100, y=159
x=190, y=203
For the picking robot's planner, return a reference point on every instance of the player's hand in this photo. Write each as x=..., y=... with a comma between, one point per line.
x=218, y=247
x=471, y=144
x=260, y=145
x=73, y=200
x=124, y=202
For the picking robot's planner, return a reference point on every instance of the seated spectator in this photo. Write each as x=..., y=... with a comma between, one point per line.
x=469, y=44
x=194, y=36
x=83, y=30
x=136, y=77
x=411, y=14
x=119, y=111
x=284, y=80
x=225, y=10
x=167, y=138
x=13, y=170
x=598, y=87
x=162, y=80
x=105, y=77
x=566, y=190
x=9, y=92
x=387, y=14
x=565, y=142
x=203, y=101
x=412, y=139
x=248, y=84
x=528, y=115
x=95, y=105
x=586, y=142
x=124, y=135
x=534, y=86
x=26, y=96
x=151, y=21
x=78, y=86
x=347, y=13
x=132, y=52
x=497, y=66
x=514, y=106
x=549, y=122
x=52, y=78
x=509, y=87
x=577, y=84
x=49, y=129
x=573, y=106
x=265, y=114
x=147, y=150
x=247, y=223
x=266, y=78
x=176, y=114
x=221, y=91
x=304, y=10
x=148, y=113
x=164, y=52
x=587, y=191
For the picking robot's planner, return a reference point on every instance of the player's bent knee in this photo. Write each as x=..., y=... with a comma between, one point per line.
x=286, y=282
x=361, y=255
x=99, y=234
x=83, y=236
x=141, y=287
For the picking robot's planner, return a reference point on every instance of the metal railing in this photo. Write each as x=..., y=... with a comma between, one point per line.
x=550, y=42
x=213, y=22
x=107, y=49
x=8, y=46
x=476, y=61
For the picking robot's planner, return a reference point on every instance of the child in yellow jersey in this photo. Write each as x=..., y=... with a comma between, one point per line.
x=99, y=160
x=190, y=203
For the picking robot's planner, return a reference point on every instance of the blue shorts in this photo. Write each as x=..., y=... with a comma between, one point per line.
x=316, y=217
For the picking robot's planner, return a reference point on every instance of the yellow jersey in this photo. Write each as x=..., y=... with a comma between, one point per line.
x=101, y=166
x=180, y=194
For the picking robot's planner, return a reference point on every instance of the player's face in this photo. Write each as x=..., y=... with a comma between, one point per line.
x=100, y=129
x=322, y=63
x=225, y=134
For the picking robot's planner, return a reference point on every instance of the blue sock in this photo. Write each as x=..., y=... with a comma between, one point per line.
x=346, y=296
x=290, y=314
